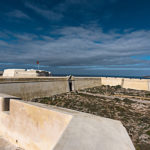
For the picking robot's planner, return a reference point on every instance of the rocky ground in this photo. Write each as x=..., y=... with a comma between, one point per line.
x=135, y=116
x=118, y=91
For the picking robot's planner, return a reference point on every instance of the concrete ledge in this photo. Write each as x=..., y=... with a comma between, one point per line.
x=5, y=101
x=34, y=126
x=31, y=79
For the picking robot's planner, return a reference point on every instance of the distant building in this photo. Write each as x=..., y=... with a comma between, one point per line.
x=25, y=73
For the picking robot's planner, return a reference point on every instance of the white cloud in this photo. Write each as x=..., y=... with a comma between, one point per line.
x=78, y=46
x=18, y=14
x=49, y=14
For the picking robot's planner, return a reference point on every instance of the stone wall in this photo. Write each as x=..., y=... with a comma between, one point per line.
x=29, y=88
x=138, y=84
x=88, y=82
x=85, y=82
x=111, y=81
x=34, y=89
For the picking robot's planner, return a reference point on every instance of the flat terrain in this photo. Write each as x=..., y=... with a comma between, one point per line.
x=103, y=101
x=121, y=92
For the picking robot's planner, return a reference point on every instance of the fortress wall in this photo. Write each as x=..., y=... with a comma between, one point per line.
x=30, y=90
x=34, y=126
x=111, y=81
x=138, y=84
x=85, y=82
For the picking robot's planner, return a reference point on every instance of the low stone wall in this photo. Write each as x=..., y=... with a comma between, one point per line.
x=34, y=126
x=85, y=82
x=88, y=82
x=36, y=88
x=29, y=88
x=138, y=84
x=111, y=81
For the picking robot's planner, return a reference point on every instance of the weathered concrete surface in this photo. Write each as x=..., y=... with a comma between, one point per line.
x=4, y=101
x=85, y=82
x=29, y=90
x=138, y=84
x=94, y=133
x=34, y=126
x=5, y=145
x=30, y=79
x=111, y=81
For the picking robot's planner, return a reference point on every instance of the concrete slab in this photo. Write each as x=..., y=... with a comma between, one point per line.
x=90, y=133
x=3, y=95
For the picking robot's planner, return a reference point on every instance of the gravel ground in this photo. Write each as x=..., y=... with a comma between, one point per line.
x=135, y=116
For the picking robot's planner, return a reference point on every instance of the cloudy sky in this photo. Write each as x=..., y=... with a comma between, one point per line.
x=91, y=37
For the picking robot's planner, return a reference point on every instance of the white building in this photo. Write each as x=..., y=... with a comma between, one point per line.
x=25, y=73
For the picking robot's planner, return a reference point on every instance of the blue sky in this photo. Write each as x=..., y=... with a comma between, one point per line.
x=99, y=37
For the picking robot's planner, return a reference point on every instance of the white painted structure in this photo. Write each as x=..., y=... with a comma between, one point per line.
x=25, y=73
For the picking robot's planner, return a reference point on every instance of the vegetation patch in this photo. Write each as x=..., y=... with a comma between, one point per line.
x=119, y=91
x=148, y=132
x=128, y=101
